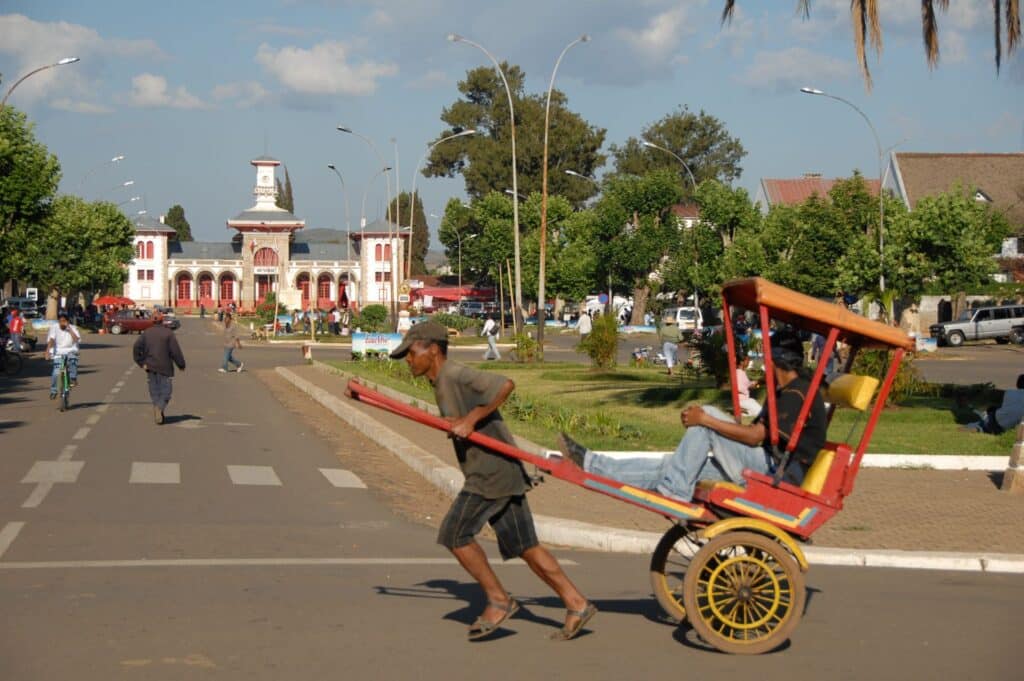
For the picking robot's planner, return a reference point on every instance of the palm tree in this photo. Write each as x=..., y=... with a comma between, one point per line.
x=866, y=27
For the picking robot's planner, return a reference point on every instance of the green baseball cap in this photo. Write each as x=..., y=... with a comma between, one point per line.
x=424, y=331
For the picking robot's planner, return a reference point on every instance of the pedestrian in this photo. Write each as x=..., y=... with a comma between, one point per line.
x=202, y=311
x=157, y=352
x=490, y=332
x=16, y=328
x=232, y=342
x=346, y=320
x=495, y=487
x=669, y=334
x=585, y=325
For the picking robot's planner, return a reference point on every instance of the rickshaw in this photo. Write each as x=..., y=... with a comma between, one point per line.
x=731, y=563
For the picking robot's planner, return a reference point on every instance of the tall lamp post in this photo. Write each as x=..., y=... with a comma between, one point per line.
x=542, y=273
x=456, y=38
x=362, y=216
x=63, y=62
x=881, y=193
x=594, y=182
x=116, y=159
x=416, y=175
x=348, y=224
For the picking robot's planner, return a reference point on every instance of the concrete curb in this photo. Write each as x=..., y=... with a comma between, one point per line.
x=579, y=535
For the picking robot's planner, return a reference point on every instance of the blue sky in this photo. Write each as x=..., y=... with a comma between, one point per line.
x=189, y=91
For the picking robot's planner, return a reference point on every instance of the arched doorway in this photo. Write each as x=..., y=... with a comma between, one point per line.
x=265, y=264
x=343, y=299
x=323, y=291
x=206, y=289
x=227, y=288
x=183, y=289
x=302, y=282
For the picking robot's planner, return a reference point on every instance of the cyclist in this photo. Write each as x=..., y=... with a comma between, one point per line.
x=62, y=341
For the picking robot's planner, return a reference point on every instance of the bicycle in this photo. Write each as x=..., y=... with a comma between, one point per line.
x=10, y=362
x=63, y=383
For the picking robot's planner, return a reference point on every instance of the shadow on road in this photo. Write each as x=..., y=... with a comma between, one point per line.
x=7, y=425
x=180, y=418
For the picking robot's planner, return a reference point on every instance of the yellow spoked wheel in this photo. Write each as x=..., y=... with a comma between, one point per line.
x=743, y=593
x=669, y=563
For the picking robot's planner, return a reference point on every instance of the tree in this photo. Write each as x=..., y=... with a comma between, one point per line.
x=175, y=219
x=83, y=247
x=284, y=194
x=699, y=139
x=29, y=175
x=867, y=28
x=420, y=229
x=484, y=159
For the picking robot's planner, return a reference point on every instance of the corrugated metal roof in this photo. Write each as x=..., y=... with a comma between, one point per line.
x=302, y=250
x=792, y=192
x=204, y=250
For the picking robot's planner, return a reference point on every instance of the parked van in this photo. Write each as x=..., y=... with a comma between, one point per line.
x=689, y=319
x=1004, y=323
x=29, y=308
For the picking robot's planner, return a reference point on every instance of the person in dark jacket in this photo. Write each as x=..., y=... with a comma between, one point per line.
x=157, y=351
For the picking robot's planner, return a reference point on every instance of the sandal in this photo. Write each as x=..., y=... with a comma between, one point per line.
x=568, y=633
x=483, y=628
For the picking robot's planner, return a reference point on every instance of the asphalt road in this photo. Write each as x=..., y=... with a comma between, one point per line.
x=216, y=547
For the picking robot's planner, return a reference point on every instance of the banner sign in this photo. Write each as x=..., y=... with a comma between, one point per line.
x=363, y=342
x=264, y=269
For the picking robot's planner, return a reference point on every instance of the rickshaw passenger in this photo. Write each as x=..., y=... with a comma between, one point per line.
x=735, y=446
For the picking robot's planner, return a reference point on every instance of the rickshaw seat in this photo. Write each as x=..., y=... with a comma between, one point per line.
x=852, y=391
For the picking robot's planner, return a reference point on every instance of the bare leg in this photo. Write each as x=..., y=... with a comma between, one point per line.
x=473, y=559
x=545, y=566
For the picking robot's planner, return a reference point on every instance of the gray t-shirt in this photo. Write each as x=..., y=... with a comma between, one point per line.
x=231, y=335
x=459, y=389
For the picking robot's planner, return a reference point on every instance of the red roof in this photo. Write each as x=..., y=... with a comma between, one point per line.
x=796, y=191
x=686, y=211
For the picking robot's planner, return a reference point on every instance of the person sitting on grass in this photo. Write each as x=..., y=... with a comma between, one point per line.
x=735, y=446
x=1000, y=419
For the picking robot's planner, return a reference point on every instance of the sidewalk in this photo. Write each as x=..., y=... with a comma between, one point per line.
x=890, y=510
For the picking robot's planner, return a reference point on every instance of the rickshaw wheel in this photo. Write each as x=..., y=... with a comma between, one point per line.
x=743, y=593
x=669, y=563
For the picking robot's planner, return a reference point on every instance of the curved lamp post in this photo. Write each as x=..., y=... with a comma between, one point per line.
x=348, y=224
x=116, y=159
x=362, y=217
x=416, y=175
x=131, y=200
x=881, y=193
x=541, y=275
x=456, y=38
x=63, y=62
x=679, y=158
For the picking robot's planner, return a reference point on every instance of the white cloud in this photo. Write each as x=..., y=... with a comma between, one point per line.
x=735, y=35
x=151, y=91
x=953, y=48
x=36, y=43
x=290, y=31
x=790, y=69
x=380, y=19
x=323, y=70
x=245, y=93
x=77, y=106
x=431, y=79
x=660, y=37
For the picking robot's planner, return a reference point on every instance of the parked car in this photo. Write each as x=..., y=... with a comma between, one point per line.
x=1004, y=323
x=689, y=319
x=29, y=308
x=127, y=321
x=472, y=308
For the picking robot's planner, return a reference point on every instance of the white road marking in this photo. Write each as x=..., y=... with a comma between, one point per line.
x=253, y=475
x=340, y=477
x=93, y=420
x=67, y=452
x=81, y=434
x=240, y=562
x=119, y=384
x=115, y=390
x=8, y=535
x=54, y=471
x=155, y=473
x=103, y=407
x=38, y=494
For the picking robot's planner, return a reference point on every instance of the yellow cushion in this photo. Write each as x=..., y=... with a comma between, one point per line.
x=708, y=485
x=850, y=390
x=818, y=472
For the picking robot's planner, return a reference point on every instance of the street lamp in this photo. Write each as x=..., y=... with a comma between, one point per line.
x=362, y=219
x=541, y=307
x=63, y=62
x=131, y=200
x=456, y=38
x=126, y=183
x=679, y=158
x=584, y=177
x=458, y=236
x=348, y=224
x=416, y=175
x=116, y=159
x=595, y=183
x=881, y=194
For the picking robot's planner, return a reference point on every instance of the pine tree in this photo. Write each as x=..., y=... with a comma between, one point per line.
x=175, y=219
x=420, y=229
x=284, y=196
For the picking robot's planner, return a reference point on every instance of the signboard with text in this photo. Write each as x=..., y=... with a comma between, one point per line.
x=363, y=342
x=264, y=269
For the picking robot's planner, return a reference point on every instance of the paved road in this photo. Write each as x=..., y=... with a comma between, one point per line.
x=231, y=543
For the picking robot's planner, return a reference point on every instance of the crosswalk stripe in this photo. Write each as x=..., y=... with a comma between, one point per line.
x=339, y=477
x=254, y=475
x=155, y=473
x=54, y=471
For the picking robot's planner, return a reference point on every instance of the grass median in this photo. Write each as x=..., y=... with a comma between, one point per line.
x=638, y=409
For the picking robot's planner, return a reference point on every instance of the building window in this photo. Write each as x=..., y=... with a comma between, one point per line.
x=387, y=252
x=378, y=252
x=265, y=257
x=382, y=276
x=140, y=275
x=149, y=250
x=323, y=286
x=140, y=250
x=149, y=275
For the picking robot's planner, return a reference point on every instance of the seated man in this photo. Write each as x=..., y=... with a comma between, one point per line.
x=734, y=446
x=1000, y=419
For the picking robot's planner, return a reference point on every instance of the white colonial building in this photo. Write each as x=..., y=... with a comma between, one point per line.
x=268, y=253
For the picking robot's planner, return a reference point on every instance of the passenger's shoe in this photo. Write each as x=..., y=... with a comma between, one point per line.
x=74, y=383
x=222, y=370
x=241, y=365
x=158, y=416
x=571, y=449
x=53, y=396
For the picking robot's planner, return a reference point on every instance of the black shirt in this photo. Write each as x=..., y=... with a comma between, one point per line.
x=788, y=402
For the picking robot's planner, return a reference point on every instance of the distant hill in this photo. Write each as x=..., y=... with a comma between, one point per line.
x=322, y=235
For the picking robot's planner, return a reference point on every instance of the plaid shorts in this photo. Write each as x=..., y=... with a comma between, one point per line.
x=510, y=518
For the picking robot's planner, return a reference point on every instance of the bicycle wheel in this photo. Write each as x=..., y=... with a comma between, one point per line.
x=64, y=400
x=12, y=364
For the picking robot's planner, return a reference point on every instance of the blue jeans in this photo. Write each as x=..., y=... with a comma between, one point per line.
x=160, y=388
x=229, y=358
x=72, y=363
x=676, y=474
x=669, y=350
x=492, y=348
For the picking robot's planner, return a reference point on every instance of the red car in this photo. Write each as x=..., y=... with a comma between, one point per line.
x=126, y=321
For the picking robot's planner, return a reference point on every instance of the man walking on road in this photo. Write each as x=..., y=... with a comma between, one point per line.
x=16, y=327
x=231, y=343
x=495, y=488
x=157, y=351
